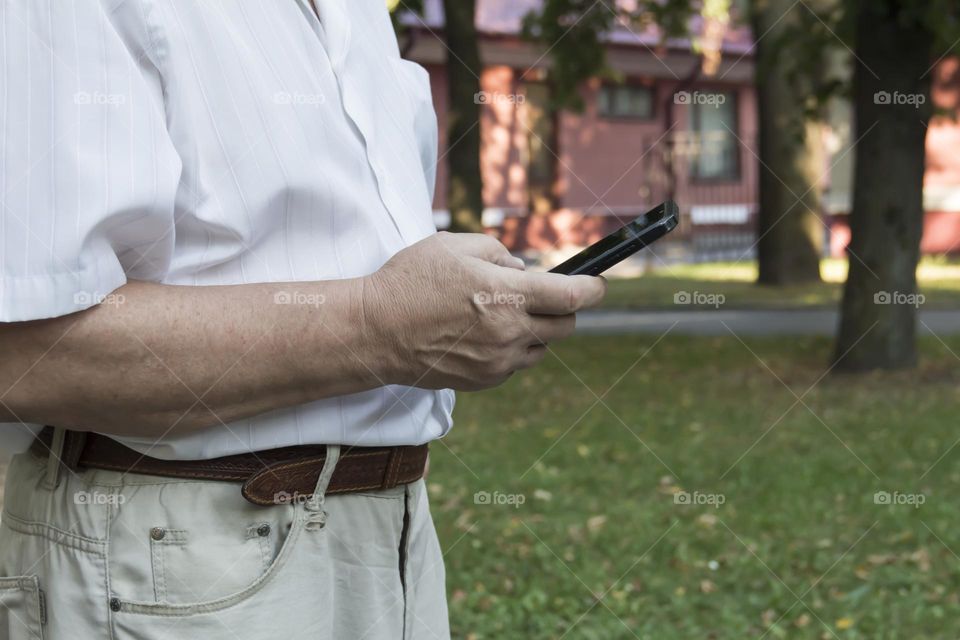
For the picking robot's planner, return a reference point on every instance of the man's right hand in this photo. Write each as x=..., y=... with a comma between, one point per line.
x=451, y=311
x=458, y=311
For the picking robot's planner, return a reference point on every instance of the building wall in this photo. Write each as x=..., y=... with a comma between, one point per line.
x=941, y=229
x=608, y=169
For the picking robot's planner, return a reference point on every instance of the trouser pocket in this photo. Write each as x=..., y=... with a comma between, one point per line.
x=21, y=608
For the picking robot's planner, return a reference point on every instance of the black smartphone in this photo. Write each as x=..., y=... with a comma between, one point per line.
x=623, y=242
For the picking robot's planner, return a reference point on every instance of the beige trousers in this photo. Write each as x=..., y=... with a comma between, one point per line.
x=102, y=555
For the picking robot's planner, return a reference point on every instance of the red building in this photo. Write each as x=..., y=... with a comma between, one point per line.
x=669, y=129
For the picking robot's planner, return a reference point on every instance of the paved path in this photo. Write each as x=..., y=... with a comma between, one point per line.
x=754, y=322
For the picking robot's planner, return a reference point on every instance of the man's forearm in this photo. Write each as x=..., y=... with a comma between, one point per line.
x=155, y=359
x=450, y=311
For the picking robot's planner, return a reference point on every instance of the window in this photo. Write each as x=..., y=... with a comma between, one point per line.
x=625, y=101
x=713, y=117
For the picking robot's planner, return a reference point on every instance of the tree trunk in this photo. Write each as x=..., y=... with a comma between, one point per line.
x=878, y=321
x=790, y=234
x=542, y=122
x=464, y=184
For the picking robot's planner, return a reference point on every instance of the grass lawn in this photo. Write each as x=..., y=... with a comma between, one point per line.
x=939, y=282
x=600, y=547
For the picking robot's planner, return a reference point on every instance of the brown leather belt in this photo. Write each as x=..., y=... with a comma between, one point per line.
x=273, y=476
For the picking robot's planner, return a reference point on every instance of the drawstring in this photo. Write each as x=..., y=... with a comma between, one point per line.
x=316, y=515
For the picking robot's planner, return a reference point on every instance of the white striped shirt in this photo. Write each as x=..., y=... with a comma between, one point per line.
x=208, y=142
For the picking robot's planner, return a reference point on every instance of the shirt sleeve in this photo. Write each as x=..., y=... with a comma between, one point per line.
x=88, y=174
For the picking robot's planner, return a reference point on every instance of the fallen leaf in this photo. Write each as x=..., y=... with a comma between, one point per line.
x=844, y=623
x=922, y=558
x=542, y=494
x=881, y=558
x=596, y=523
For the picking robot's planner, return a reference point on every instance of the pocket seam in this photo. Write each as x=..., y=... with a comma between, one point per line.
x=225, y=602
x=29, y=585
x=53, y=534
x=264, y=543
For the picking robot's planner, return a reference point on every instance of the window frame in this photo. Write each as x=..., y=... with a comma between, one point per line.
x=627, y=117
x=736, y=172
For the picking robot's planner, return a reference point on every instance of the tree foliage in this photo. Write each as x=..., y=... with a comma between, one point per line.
x=573, y=32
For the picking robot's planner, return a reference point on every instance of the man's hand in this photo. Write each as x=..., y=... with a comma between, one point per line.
x=458, y=311
x=451, y=311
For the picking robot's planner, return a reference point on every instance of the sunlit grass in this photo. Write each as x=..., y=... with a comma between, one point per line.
x=599, y=544
x=939, y=281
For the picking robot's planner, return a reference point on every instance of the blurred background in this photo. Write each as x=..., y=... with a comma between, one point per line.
x=756, y=435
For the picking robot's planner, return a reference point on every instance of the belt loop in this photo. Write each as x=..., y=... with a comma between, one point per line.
x=54, y=460
x=393, y=467
x=317, y=516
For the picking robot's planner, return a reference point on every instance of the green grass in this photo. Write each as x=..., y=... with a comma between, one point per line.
x=600, y=549
x=939, y=282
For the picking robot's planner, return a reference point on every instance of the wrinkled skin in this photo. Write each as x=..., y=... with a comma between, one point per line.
x=456, y=318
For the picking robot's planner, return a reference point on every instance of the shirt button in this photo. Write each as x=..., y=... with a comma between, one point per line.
x=158, y=533
x=263, y=530
x=115, y=604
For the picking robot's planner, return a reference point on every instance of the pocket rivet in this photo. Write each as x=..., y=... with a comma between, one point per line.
x=115, y=604
x=263, y=530
x=158, y=533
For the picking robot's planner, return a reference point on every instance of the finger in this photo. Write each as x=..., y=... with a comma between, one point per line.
x=557, y=294
x=534, y=354
x=486, y=248
x=544, y=329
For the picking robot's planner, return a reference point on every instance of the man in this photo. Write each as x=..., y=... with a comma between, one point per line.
x=222, y=284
